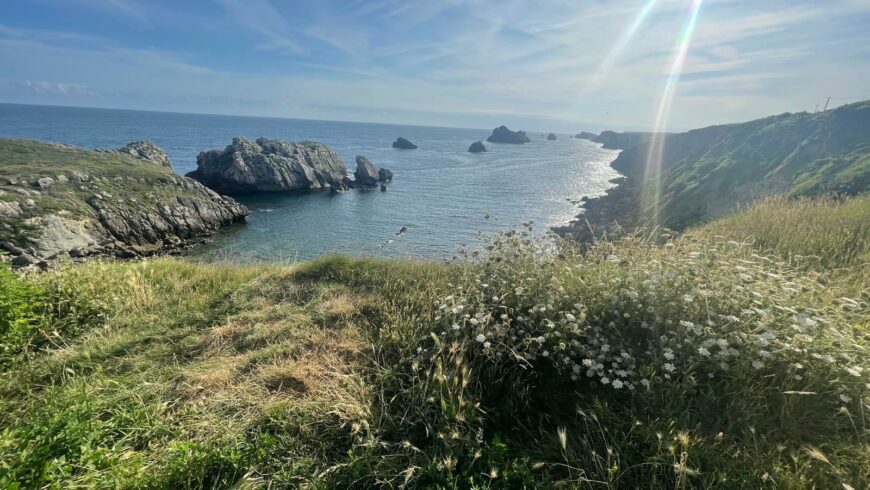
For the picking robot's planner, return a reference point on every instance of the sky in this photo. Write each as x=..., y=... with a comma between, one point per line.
x=545, y=65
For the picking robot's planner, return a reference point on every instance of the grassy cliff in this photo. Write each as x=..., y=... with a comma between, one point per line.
x=733, y=356
x=707, y=173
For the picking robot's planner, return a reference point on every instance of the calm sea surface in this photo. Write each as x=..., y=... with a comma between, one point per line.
x=440, y=192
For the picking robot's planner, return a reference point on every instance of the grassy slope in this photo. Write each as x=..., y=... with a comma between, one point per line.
x=173, y=374
x=708, y=172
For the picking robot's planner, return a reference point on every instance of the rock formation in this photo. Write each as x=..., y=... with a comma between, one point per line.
x=270, y=165
x=551, y=137
x=368, y=175
x=477, y=147
x=144, y=150
x=404, y=144
x=112, y=207
x=584, y=135
x=502, y=134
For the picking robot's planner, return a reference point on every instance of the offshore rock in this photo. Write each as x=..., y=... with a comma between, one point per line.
x=502, y=134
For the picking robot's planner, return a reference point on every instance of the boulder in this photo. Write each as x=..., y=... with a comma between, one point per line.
x=145, y=150
x=366, y=173
x=23, y=260
x=477, y=147
x=404, y=144
x=551, y=137
x=43, y=183
x=502, y=134
x=10, y=209
x=270, y=165
x=385, y=175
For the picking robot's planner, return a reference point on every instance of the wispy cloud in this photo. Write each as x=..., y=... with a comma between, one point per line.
x=43, y=87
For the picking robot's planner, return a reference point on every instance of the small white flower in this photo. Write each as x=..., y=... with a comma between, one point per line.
x=669, y=367
x=455, y=326
x=845, y=398
x=545, y=353
x=605, y=380
x=480, y=337
x=570, y=317
x=757, y=364
x=419, y=350
x=617, y=384
x=474, y=321
x=703, y=351
x=854, y=370
x=669, y=355
x=688, y=298
x=486, y=345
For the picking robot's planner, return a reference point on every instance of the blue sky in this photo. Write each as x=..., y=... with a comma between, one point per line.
x=561, y=65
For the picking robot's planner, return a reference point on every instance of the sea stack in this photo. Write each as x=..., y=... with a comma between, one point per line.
x=368, y=175
x=502, y=134
x=403, y=144
x=477, y=147
x=551, y=137
x=270, y=165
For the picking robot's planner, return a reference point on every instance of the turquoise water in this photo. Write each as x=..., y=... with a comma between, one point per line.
x=441, y=193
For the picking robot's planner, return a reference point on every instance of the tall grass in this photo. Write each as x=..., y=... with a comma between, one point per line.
x=709, y=360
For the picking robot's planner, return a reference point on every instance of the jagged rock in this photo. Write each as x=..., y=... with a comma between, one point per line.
x=43, y=182
x=502, y=134
x=477, y=147
x=551, y=137
x=584, y=135
x=383, y=187
x=366, y=173
x=12, y=248
x=10, y=209
x=404, y=144
x=269, y=165
x=145, y=150
x=385, y=175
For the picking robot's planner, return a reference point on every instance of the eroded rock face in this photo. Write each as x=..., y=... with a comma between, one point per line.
x=502, y=134
x=403, y=144
x=366, y=173
x=477, y=147
x=270, y=165
x=145, y=150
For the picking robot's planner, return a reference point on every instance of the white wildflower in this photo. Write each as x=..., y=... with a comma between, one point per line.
x=669, y=367
x=480, y=337
x=486, y=345
x=845, y=398
x=757, y=364
x=617, y=384
x=703, y=351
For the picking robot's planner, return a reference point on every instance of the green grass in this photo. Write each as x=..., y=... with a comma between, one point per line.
x=739, y=366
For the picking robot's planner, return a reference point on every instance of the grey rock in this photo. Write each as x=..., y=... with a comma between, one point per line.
x=383, y=187
x=385, y=175
x=43, y=182
x=477, y=147
x=403, y=144
x=10, y=209
x=551, y=137
x=502, y=134
x=366, y=173
x=269, y=165
x=12, y=248
x=585, y=135
x=145, y=150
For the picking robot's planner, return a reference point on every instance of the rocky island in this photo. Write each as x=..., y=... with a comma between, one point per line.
x=551, y=137
x=585, y=135
x=477, y=147
x=403, y=144
x=270, y=165
x=62, y=201
x=368, y=175
x=502, y=134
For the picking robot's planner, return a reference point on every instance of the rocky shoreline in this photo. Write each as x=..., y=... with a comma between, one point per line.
x=60, y=201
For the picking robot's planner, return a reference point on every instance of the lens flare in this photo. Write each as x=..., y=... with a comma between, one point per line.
x=626, y=37
x=651, y=195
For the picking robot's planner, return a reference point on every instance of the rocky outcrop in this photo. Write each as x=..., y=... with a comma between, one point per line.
x=477, y=147
x=368, y=175
x=502, y=134
x=551, y=137
x=111, y=207
x=584, y=135
x=612, y=140
x=270, y=165
x=403, y=144
x=144, y=150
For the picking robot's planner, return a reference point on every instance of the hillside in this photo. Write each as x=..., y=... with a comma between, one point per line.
x=60, y=201
x=709, y=172
x=730, y=357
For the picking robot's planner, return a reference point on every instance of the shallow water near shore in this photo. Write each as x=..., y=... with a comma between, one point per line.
x=441, y=193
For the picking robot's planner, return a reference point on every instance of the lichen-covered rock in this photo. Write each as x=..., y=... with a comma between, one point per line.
x=270, y=165
x=502, y=134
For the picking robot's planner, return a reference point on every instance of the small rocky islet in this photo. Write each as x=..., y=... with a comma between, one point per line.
x=403, y=144
x=502, y=134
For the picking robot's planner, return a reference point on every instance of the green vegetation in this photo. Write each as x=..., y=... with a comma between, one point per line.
x=706, y=173
x=718, y=358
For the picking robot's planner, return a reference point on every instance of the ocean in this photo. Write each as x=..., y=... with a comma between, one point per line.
x=446, y=197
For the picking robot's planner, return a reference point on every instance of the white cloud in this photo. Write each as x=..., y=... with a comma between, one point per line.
x=43, y=87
